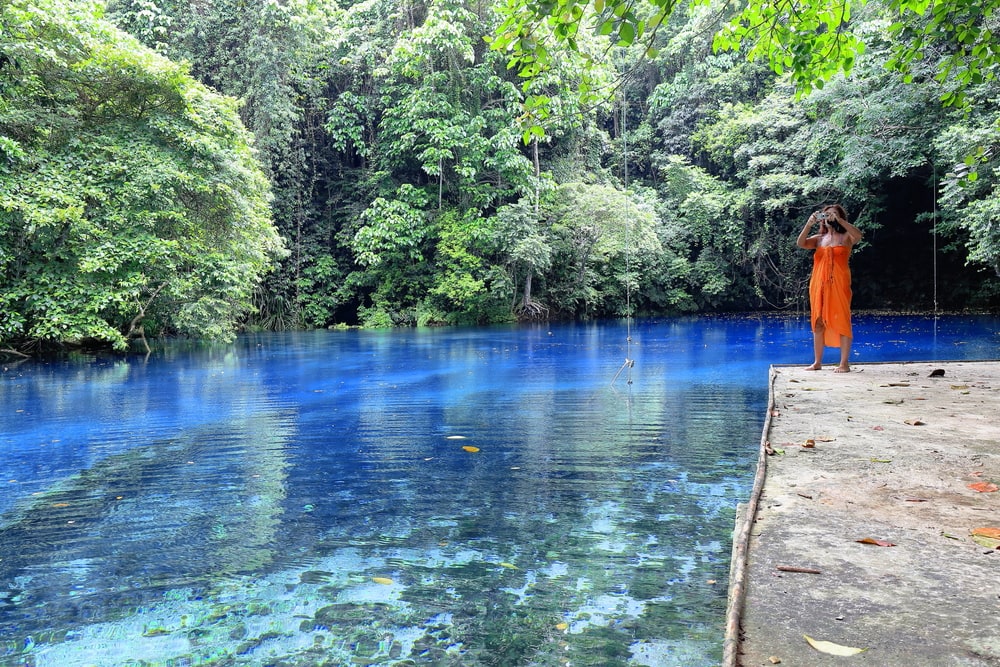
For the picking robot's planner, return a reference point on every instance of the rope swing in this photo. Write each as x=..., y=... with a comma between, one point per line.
x=629, y=361
x=934, y=223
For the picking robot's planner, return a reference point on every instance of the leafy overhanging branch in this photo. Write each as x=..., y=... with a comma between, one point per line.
x=811, y=40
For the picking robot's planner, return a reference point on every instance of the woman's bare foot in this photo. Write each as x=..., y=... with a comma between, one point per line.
x=814, y=367
x=842, y=369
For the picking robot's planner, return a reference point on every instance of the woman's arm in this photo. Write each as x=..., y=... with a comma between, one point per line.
x=853, y=233
x=804, y=240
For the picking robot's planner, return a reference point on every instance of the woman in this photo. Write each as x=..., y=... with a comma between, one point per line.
x=830, y=284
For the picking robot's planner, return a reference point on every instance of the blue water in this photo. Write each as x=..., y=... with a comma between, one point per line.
x=490, y=496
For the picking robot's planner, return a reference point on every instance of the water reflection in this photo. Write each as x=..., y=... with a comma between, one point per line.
x=467, y=497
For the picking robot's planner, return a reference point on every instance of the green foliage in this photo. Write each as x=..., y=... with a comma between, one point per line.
x=392, y=231
x=812, y=40
x=468, y=289
x=604, y=240
x=422, y=176
x=956, y=34
x=273, y=57
x=319, y=303
x=971, y=187
x=702, y=238
x=131, y=201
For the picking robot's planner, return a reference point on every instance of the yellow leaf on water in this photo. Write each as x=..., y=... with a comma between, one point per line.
x=470, y=449
x=562, y=626
x=831, y=648
x=382, y=580
x=509, y=566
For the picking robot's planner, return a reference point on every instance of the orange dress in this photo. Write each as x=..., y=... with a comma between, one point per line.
x=830, y=293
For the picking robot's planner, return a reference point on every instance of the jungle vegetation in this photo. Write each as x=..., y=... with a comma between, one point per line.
x=197, y=167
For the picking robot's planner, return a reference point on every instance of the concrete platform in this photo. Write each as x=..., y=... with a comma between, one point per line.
x=894, y=452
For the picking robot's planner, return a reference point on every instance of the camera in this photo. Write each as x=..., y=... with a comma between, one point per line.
x=822, y=215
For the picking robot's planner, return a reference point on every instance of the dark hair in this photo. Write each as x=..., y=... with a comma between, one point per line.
x=839, y=211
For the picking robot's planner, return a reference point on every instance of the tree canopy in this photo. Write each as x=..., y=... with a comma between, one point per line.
x=169, y=166
x=130, y=202
x=813, y=40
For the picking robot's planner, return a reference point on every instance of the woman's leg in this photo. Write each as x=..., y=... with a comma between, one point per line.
x=818, y=330
x=845, y=355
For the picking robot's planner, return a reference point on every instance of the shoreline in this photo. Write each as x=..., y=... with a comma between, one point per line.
x=861, y=527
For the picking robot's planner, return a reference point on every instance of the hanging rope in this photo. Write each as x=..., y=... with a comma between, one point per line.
x=934, y=228
x=629, y=362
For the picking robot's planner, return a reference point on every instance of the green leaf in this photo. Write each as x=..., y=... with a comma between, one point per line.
x=626, y=34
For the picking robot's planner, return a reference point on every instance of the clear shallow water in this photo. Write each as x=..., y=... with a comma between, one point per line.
x=305, y=498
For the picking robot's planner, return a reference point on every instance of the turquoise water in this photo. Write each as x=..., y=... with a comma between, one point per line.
x=491, y=496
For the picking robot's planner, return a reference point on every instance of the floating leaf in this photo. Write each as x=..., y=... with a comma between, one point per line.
x=562, y=626
x=509, y=566
x=984, y=487
x=470, y=448
x=831, y=648
x=878, y=543
x=881, y=460
x=959, y=386
x=382, y=580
